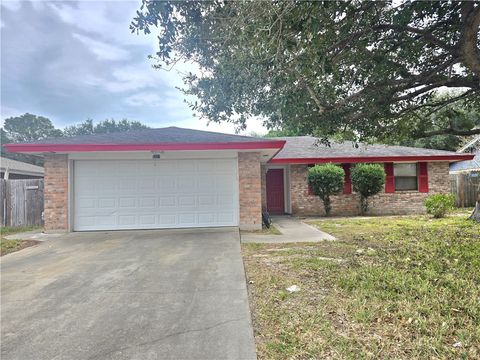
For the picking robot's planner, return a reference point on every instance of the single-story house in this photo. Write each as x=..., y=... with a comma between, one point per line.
x=176, y=178
x=14, y=169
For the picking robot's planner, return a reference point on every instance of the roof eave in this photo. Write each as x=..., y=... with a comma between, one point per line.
x=62, y=148
x=362, y=159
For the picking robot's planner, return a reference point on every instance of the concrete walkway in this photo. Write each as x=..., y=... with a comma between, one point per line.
x=124, y=295
x=292, y=229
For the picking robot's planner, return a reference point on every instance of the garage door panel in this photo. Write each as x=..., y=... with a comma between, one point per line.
x=151, y=194
x=149, y=220
x=167, y=183
x=127, y=202
x=226, y=217
x=167, y=201
x=168, y=219
x=206, y=218
x=107, y=203
x=148, y=202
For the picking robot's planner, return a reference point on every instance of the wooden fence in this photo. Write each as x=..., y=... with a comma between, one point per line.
x=465, y=187
x=21, y=202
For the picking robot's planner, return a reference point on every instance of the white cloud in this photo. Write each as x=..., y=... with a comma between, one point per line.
x=12, y=5
x=6, y=112
x=102, y=50
x=108, y=19
x=145, y=99
x=254, y=125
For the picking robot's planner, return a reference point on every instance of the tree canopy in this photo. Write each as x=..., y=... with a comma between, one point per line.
x=28, y=127
x=321, y=67
x=107, y=126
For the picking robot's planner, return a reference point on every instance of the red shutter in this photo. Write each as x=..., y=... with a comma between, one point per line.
x=389, y=179
x=423, y=177
x=347, y=184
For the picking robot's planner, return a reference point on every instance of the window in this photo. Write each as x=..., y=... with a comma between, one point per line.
x=406, y=177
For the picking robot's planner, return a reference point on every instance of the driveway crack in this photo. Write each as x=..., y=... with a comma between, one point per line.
x=206, y=328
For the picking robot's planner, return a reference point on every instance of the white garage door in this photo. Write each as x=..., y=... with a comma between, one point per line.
x=150, y=194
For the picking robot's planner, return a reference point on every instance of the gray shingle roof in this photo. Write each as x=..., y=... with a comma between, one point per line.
x=309, y=147
x=467, y=165
x=167, y=135
x=20, y=167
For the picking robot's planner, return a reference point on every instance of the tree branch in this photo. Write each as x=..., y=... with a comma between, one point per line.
x=451, y=132
x=425, y=33
x=469, y=40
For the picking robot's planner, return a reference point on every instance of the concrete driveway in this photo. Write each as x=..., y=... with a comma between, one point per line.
x=127, y=295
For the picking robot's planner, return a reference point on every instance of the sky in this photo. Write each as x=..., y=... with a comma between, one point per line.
x=70, y=61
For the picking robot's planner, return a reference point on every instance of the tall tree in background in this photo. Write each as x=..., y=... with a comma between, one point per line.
x=107, y=126
x=358, y=67
x=461, y=117
x=29, y=127
x=24, y=128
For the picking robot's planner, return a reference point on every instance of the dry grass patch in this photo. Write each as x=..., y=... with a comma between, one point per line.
x=389, y=288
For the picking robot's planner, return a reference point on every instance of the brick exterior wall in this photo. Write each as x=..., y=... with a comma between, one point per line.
x=398, y=203
x=264, y=186
x=56, y=192
x=250, y=190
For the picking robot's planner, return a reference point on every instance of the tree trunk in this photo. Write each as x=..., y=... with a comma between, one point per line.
x=476, y=212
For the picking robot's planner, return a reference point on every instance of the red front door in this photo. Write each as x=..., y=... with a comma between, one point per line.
x=275, y=191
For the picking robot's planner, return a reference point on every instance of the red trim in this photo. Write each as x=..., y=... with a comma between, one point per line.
x=347, y=184
x=145, y=147
x=389, y=178
x=423, y=177
x=361, y=159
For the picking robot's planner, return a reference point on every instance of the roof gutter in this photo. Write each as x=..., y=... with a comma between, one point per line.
x=362, y=159
x=46, y=148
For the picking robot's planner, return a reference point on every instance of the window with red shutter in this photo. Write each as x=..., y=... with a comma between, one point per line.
x=406, y=176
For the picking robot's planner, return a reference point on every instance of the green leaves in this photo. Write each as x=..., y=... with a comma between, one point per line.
x=439, y=205
x=329, y=67
x=29, y=127
x=368, y=180
x=326, y=180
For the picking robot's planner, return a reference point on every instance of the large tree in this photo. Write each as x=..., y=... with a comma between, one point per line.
x=107, y=126
x=24, y=128
x=358, y=67
x=447, y=127
x=29, y=127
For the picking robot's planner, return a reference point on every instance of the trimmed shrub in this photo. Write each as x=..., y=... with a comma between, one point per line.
x=367, y=180
x=326, y=180
x=439, y=205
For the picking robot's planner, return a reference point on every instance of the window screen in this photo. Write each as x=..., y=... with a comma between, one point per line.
x=405, y=177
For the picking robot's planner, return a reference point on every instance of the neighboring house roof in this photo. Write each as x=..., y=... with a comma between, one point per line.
x=169, y=138
x=19, y=167
x=472, y=143
x=468, y=165
x=307, y=149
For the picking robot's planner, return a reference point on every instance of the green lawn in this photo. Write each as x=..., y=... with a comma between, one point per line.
x=8, y=246
x=389, y=288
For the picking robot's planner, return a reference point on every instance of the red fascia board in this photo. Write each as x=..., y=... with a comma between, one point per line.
x=41, y=148
x=363, y=159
